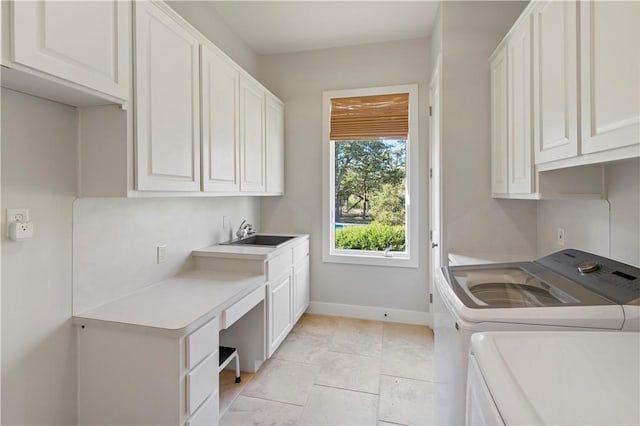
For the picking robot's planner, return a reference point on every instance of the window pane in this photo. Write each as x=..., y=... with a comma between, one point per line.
x=370, y=195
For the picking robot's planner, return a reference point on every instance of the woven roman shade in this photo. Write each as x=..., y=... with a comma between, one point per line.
x=370, y=117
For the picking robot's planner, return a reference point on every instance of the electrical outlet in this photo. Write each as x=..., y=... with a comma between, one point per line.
x=20, y=231
x=560, y=237
x=162, y=253
x=16, y=215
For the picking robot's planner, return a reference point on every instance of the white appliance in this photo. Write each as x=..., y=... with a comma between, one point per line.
x=475, y=258
x=568, y=290
x=554, y=378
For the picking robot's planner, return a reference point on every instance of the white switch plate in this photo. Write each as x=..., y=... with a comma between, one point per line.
x=560, y=238
x=16, y=215
x=162, y=253
x=225, y=222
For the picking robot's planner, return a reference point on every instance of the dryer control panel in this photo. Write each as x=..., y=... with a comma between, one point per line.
x=614, y=280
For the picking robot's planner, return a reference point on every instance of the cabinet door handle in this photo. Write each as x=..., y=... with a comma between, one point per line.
x=434, y=245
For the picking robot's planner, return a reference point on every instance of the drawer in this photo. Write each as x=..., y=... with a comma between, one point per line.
x=300, y=251
x=244, y=305
x=201, y=343
x=201, y=382
x=279, y=265
x=208, y=414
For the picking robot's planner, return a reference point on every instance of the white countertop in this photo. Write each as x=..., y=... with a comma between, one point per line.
x=554, y=378
x=248, y=252
x=177, y=305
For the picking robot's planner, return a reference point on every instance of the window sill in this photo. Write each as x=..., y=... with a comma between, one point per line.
x=398, y=261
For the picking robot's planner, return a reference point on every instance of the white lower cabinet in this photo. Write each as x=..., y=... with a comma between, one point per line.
x=300, y=288
x=280, y=311
x=288, y=292
x=136, y=377
x=286, y=270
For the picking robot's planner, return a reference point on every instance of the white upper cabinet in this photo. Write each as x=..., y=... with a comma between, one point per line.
x=167, y=135
x=499, y=122
x=275, y=146
x=252, y=136
x=554, y=80
x=84, y=42
x=610, y=74
x=220, y=124
x=519, y=143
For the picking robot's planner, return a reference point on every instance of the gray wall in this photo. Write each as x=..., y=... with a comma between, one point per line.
x=203, y=16
x=299, y=79
x=609, y=227
x=39, y=172
x=115, y=240
x=38, y=342
x=472, y=220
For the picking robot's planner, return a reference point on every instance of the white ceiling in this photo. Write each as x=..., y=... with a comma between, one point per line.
x=270, y=27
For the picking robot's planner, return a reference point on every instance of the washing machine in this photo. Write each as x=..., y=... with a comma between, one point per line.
x=566, y=291
x=553, y=378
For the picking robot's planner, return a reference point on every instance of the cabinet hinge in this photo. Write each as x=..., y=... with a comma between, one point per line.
x=430, y=297
x=430, y=173
x=430, y=111
x=430, y=235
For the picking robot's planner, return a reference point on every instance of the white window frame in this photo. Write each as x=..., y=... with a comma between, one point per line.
x=408, y=259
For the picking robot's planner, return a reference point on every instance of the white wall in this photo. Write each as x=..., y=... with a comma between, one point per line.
x=623, y=192
x=299, y=79
x=203, y=16
x=38, y=342
x=472, y=220
x=610, y=228
x=115, y=240
x=585, y=224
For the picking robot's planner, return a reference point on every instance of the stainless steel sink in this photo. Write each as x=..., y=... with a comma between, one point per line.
x=260, y=240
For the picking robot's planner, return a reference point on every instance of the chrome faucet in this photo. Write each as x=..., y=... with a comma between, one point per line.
x=245, y=230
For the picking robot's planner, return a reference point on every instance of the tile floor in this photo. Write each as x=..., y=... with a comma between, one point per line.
x=338, y=371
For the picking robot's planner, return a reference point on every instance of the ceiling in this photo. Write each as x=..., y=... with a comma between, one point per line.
x=270, y=27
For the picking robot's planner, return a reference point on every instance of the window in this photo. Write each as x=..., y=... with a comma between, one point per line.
x=370, y=142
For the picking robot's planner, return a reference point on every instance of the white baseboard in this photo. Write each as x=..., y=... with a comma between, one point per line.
x=370, y=313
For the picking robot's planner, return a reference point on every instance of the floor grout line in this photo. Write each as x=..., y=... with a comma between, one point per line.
x=346, y=389
x=271, y=400
x=384, y=340
x=408, y=378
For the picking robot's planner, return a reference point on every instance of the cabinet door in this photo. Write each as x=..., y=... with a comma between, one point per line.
x=609, y=71
x=85, y=42
x=300, y=288
x=167, y=114
x=220, y=126
x=499, y=102
x=275, y=146
x=280, y=319
x=252, y=138
x=519, y=147
x=555, y=81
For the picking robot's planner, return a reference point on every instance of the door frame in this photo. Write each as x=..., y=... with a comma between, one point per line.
x=435, y=176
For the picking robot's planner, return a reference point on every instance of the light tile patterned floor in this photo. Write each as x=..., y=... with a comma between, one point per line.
x=338, y=371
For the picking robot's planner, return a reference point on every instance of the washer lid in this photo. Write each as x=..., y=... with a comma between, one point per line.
x=518, y=285
x=562, y=378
